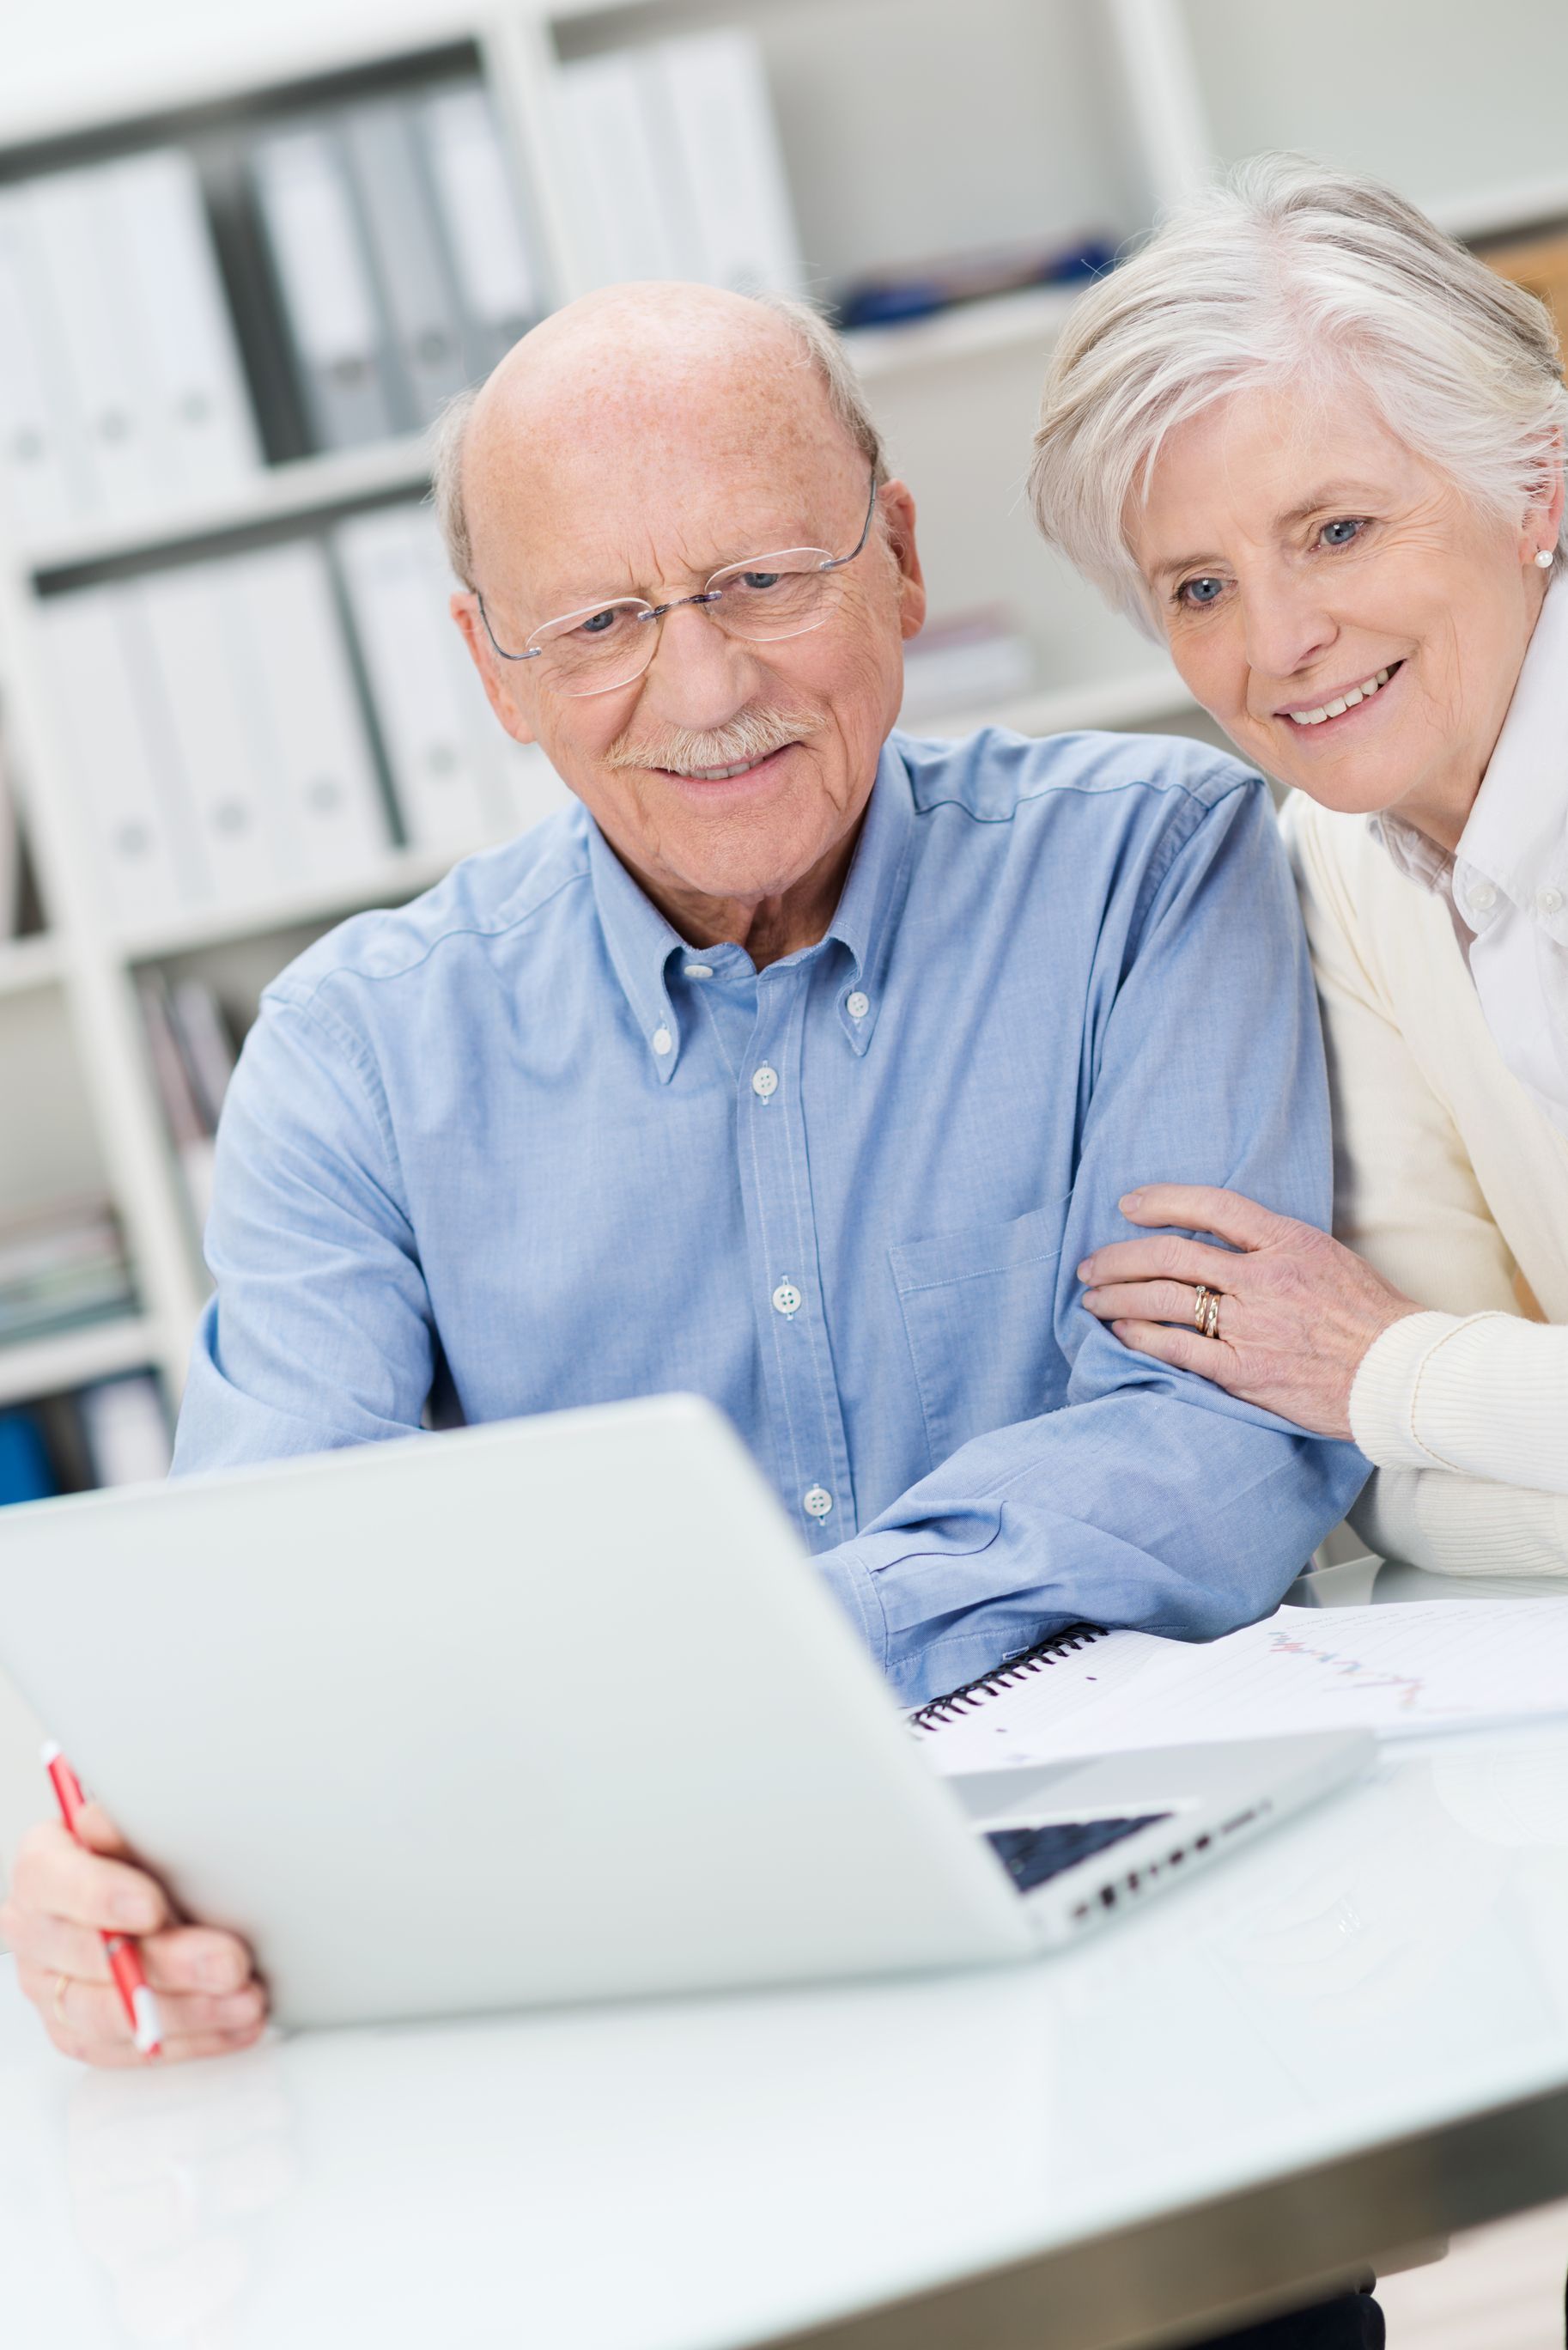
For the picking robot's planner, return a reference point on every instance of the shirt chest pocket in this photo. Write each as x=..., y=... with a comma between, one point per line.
x=978, y=1308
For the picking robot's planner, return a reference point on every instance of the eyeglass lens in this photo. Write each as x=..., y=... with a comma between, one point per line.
x=594, y=652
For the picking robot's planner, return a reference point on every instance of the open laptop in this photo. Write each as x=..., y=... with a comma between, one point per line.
x=554, y=1709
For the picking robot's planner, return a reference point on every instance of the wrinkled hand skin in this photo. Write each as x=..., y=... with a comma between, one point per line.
x=1297, y=1311
x=62, y=1898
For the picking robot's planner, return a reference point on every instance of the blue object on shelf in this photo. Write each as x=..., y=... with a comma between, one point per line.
x=891, y=301
x=25, y=1474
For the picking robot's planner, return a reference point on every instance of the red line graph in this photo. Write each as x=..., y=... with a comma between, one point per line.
x=1352, y=1672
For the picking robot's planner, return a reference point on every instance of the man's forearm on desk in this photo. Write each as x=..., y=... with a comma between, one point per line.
x=1132, y=1510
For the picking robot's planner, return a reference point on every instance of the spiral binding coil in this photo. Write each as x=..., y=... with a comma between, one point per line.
x=960, y=1702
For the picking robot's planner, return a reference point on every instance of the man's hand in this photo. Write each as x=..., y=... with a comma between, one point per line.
x=62, y=1898
x=1296, y=1312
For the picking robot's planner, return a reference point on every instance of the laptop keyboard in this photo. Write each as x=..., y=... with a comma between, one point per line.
x=1032, y=1856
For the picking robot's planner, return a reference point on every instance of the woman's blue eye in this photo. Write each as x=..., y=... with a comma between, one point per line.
x=1200, y=592
x=760, y=579
x=600, y=622
x=1350, y=529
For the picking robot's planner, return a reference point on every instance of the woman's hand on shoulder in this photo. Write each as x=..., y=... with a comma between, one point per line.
x=1296, y=1312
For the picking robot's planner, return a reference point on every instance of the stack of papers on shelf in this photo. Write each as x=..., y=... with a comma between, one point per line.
x=60, y=1266
x=1401, y=1671
x=192, y=1054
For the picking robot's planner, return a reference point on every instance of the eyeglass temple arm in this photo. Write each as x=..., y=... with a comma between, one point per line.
x=533, y=653
x=833, y=562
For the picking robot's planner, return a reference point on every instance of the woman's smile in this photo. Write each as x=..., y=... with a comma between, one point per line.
x=1341, y=703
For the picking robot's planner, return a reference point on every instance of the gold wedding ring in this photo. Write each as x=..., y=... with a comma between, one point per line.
x=62, y=1985
x=1206, y=1311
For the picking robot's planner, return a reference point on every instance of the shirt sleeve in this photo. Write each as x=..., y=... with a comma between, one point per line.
x=1464, y=1412
x=321, y=1332
x=1466, y=1416
x=1151, y=1498
x=1462, y=1525
x=1406, y=1194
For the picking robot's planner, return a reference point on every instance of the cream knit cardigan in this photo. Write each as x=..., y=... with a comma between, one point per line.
x=1454, y=1185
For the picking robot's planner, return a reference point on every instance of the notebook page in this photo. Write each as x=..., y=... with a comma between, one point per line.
x=1398, y=1670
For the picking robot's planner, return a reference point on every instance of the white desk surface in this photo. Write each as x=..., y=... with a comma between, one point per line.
x=708, y=2175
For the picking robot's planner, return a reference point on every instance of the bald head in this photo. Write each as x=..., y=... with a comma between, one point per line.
x=596, y=382
x=658, y=338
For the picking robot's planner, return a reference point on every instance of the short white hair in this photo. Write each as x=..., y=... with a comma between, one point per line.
x=1289, y=271
x=819, y=347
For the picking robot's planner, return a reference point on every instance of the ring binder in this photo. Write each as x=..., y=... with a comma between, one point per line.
x=937, y=1711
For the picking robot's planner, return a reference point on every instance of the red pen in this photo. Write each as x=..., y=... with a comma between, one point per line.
x=124, y=1958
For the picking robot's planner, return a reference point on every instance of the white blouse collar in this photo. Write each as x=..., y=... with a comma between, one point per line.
x=1515, y=845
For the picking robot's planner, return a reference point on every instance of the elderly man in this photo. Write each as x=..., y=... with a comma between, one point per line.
x=799, y=1064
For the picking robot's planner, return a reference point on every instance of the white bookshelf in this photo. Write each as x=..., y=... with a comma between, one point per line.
x=300, y=491
x=908, y=130
x=401, y=874
x=307, y=487
x=31, y=962
x=76, y=1357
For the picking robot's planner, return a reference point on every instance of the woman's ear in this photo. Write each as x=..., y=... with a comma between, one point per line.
x=1543, y=521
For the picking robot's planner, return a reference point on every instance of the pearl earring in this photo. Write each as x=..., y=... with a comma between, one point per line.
x=1546, y=558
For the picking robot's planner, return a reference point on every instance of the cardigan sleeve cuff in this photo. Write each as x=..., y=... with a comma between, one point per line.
x=1396, y=1403
x=1382, y=1398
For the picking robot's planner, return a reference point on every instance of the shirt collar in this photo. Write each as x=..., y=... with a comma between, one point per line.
x=875, y=888
x=1419, y=859
x=640, y=942
x=1516, y=840
x=1517, y=836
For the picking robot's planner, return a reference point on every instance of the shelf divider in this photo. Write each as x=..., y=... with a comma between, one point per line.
x=32, y=962
x=73, y=1359
x=294, y=492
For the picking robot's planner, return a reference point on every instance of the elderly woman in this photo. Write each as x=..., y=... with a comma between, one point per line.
x=1317, y=447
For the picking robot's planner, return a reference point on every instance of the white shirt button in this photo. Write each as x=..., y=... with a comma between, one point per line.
x=817, y=1500
x=697, y=970
x=1550, y=902
x=764, y=1082
x=787, y=1298
x=663, y=1041
x=857, y=1005
x=1483, y=896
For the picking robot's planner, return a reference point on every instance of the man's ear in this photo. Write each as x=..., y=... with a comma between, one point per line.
x=464, y=610
x=898, y=507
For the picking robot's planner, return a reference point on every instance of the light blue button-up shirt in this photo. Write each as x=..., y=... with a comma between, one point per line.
x=517, y=1146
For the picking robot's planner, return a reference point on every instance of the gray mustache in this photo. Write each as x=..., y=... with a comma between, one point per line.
x=745, y=739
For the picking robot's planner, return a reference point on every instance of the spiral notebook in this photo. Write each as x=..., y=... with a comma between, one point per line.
x=1402, y=1671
